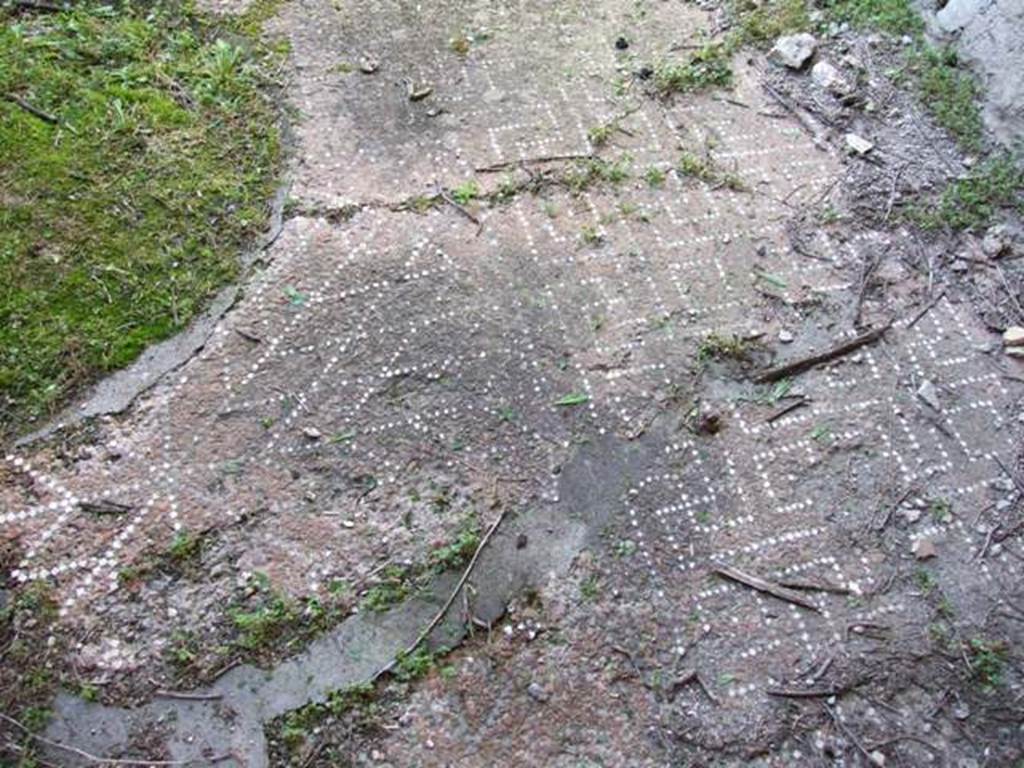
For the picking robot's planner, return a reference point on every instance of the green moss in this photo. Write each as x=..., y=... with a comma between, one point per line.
x=123, y=219
x=394, y=587
x=950, y=94
x=459, y=550
x=897, y=17
x=972, y=202
x=414, y=665
x=762, y=22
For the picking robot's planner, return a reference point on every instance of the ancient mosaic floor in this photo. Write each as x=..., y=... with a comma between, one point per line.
x=383, y=357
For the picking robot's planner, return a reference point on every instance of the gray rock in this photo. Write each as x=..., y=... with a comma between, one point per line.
x=929, y=395
x=923, y=548
x=831, y=79
x=990, y=39
x=858, y=144
x=997, y=242
x=793, y=51
x=1013, y=336
x=785, y=336
x=537, y=692
x=911, y=515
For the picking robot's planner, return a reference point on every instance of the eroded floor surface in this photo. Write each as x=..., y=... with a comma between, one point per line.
x=390, y=373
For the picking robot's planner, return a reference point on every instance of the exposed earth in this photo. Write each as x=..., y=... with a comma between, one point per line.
x=500, y=318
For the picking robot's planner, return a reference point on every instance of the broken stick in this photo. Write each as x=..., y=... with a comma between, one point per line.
x=769, y=588
x=786, y=409
x=439, y=616
x=46, y=117
x=802, y=693
x=804, y=363
x=927, y=308
x=494, y=167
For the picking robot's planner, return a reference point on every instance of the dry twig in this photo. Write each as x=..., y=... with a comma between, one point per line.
x=451, y=598
x=46, y=117
x=769, y=588
x=804, y=363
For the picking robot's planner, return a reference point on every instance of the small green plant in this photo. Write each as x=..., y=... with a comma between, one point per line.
x=591, y=235
x=590, y=589
x=941, y=510
x=718, y=347
x=704, y=169
x=185, y=547
x=460, y=45
x=763, y=22
x=393, y=588
x=821, y=433
x=89, y=692
x=988, y=660
x=925, y=580
x=466, y=192
x=896, y=17
x=295, y=297
x=776, y=392
x=183, y=648
x=706, y=68
x=297, y=725
x=507, y=190
x=421, y=203
x=600, y=134
x=829, y=215
x=35, y=719
x=449, y=672
x=654, y=176
x=458, y=551
x=587, y=173
x=414, y=665
x=260, y=627
x=625, y=548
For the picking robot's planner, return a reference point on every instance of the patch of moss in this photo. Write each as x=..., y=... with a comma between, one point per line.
x=897, y=17
x=763, y=22
x=125, y=215
x=973, y=201
x=950, y=93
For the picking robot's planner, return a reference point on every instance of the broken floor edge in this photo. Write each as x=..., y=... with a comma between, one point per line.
x=224, y=721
